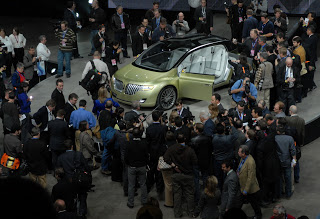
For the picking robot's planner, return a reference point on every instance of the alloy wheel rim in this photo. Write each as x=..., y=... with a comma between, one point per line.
x=167, y=98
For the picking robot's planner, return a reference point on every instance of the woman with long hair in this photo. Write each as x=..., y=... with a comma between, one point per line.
x=214, y=111
x=209, y=200
x=100, y=103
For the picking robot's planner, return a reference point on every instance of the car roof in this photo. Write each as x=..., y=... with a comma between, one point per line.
x=199, y=39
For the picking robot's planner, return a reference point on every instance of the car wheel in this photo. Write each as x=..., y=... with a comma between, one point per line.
x=167, y=97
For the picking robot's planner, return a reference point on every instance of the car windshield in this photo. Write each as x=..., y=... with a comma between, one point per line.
x=164, y=55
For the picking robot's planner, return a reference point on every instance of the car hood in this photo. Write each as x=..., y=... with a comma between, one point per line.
x=139, y=75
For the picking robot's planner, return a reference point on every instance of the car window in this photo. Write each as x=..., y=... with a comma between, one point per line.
x=207, y=60
x=163, y=56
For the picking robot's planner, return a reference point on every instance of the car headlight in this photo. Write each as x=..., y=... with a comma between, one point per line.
x=146, y=87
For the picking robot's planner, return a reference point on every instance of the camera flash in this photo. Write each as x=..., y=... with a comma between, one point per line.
x=30, y=97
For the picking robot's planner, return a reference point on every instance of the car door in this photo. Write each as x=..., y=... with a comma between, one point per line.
x=196, y=79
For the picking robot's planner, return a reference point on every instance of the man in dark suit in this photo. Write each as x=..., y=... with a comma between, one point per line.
x=216, y=98
x=204, y=18
x=249, y=24
x=59, y=132
x=64, y=190
x=207, y=122
x=70, y=17
x=139, y=41
x=250, y=46
x=60, y=208
x=134, y=113
x=182, y=111
x=42, y=117
x=155, y=22
x=37, y=156
x=240, y=112
x=310, y=44
x=67, y=161
x=120, y=23
x=230, y=195
x=58, y=96
x=101, y=41
x=296, y=121
x=222, y=149
x=155, y=135
x=288, y=77
x=70, y=106
x=238, y=15
x=182, y=128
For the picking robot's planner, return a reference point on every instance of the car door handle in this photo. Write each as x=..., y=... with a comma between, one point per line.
x=207, y=84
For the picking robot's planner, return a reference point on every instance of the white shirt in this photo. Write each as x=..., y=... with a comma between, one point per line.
x=7, y=42
x=18, y=41
x=43, y=52
x=100, y=66
x=50, y=118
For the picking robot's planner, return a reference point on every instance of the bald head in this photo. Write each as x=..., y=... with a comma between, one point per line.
x=181, y=16
x=289, y=61
x=293, y=109
x=59, y=205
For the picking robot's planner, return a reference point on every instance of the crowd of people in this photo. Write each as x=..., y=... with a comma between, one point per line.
x=245, y=154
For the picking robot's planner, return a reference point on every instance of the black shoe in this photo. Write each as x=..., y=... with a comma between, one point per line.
x=126, y=56
x=126, y=194
x=58, y=76
x=296, y=181
x=314, y=87
x=167, y=206
x=90, y=54
x=68, y=75
x=129, y=206
x=298, y=101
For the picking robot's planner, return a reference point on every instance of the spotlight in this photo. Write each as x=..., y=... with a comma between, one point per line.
x=90, y=1
x=77, y=14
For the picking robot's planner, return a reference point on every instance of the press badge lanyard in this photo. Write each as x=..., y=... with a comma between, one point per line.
x=263, y=26
x=254, y=44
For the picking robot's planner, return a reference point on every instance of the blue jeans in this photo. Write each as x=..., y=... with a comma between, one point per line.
x=92, y=35
x=106, y=160
x=286, y=173
x=297, y=171
x=61, y=56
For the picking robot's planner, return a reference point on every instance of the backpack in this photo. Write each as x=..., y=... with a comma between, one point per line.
x=81, y=179
x=91, y=81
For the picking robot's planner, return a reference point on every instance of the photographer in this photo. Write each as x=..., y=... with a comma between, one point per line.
x=263, y=79
x=180, y=26
x=164, y=31
x=244, y=90
x=223, y=147
x=30, y=66
x=134, y=113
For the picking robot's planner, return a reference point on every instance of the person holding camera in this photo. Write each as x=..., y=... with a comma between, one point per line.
x=30, y=66
x=164, y=31
x=244, y=90
x=288, y=77
x=263, y=79
x=67, y=38
x=204, y=18
x=101, y=41
x=120, y=25
x=180, y=26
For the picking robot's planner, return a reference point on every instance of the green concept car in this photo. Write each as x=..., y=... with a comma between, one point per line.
x=180, y=67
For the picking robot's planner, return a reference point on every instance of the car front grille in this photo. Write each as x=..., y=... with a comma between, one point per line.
x=118, y=85
x=132, y=89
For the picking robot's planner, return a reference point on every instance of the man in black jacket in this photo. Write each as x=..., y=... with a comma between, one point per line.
x=310, y=44
x=70, y=106
x=136, y=158
x=120, y=25
x=71, y=18
x=203, y=16
x=58, y=96
x=139, y=41
x=64, y=190
x=182, y=159
x=42, y=117
x=97, y=17
x=203, y=148
x=59, y=132
x=222, y=149
x=155, y=135
x=238, y=15
x=288, y=77
x=230, y=194
x=10, y=113
x=37, y=156
x=70, y=161
x=101, y=41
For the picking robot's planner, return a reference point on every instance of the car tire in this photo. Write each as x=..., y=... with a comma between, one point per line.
x=167, y=97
